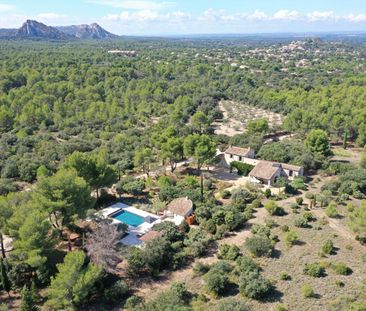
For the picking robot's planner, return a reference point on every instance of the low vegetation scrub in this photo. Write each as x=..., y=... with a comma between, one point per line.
x=280, y=307
x=273, y=209
x=314, y=269
x=341, y=268
x=231, y=304
x=217, y=278
x=291, y=238
x=301, y=222
x=242, y=168
x=284, y=276
x=228, y=252
x=331, y=210
x=259, y=245
x=307, y=291
x=251, y=283
x=200, y=268
x=327, y=247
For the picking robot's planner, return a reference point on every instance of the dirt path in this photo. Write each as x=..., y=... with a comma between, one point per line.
x=149, y=290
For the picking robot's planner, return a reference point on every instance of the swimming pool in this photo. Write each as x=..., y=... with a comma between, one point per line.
x=129, y=218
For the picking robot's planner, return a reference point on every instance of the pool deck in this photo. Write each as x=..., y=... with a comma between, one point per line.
x=132, y=238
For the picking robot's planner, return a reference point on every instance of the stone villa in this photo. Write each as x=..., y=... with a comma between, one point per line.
x=265, y=172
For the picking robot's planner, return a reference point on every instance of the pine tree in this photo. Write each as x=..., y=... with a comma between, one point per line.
x=4, y=277
x=28, y=303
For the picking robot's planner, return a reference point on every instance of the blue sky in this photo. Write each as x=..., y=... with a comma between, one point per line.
x=171, y=17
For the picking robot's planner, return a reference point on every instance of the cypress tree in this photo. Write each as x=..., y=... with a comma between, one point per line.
x=4, y=277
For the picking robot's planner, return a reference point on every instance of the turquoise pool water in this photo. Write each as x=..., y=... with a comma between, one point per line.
x=129, y=218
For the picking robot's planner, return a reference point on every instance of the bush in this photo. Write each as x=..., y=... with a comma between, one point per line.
x=299, y=201
x=280, y=307
x=331, y=210
x=328, y=247
x=341, y=268
x=291, y=238
x=284, y=276
x=256, y=203
x=133, y=302
x=216, y=282
x=225, y=194
x=242, y=168
x=294, y=206
x=307, y=291
x=314, y=269
x=228, y=252
x=267, y=193
x=309, y=195
x=200, y=268
x=285, y=228
x=309, y=216
x=254, y=285
x=116, y=292
x=273, y=209
x=301, y=222
x=259, y=245
x=231, y=304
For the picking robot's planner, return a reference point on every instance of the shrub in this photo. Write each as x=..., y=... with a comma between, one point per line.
x=299, y=201
x=116, y=292
x=328, y=247
x=254, y=285
x=309, y=216
x=267, y=193
x=339, y=283
x=256, y=203
x=294, y=206
x=331, y=210
x=231, y=304
x=259, y=245
x=200, y=268
x=216, y=281
x=133, y=302
x=242, y=168
x=307, y=291
x=285, y=228
x=291, y=238
x=225, y=194
x=273, y=209
x=280, y=307
x=301, y=222
x=284, y=276
x=341, y=268
x=228, y=252
x=309, y=195
x=314, y=269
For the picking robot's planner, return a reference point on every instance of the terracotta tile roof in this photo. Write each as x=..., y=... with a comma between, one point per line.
x=265, y=170
x=180, y=206
x=238, y=151
x=152, y=234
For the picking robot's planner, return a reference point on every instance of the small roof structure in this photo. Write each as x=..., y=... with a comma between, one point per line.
x=291, y=167
x=238, y=151
x=181, y=206
x=152, y=234
x=265, y=170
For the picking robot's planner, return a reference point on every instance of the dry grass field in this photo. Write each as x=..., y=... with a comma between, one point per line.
x=237, y=115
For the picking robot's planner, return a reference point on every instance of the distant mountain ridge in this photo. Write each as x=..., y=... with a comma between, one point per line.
x=93, y=31
x=32, y=29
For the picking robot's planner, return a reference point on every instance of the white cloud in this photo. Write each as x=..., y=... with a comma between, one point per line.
x=136, y=5
x=148, y=16
x=258, y=15
x=322, y=16
x=287, y=15
x=4, y=7
x=355, y=18
x=212, y=15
